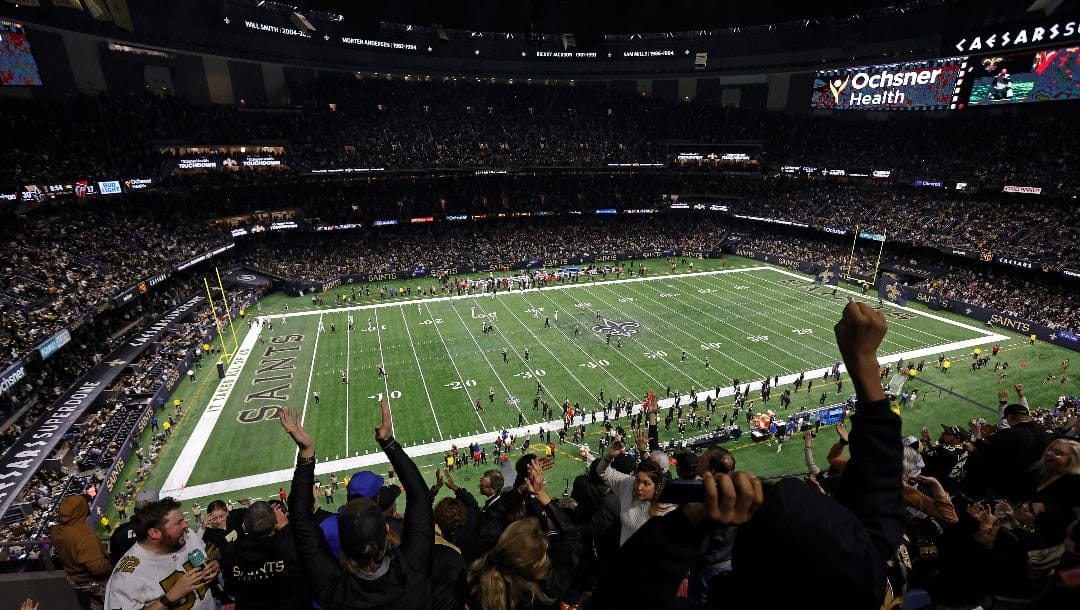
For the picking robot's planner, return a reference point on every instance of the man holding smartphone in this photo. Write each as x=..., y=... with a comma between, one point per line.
x=166, y=568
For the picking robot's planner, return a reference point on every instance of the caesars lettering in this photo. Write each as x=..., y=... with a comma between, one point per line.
x=1010, y=323
x=1019, y=37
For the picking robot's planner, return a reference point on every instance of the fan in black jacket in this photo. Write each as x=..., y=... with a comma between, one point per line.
x=378, y=575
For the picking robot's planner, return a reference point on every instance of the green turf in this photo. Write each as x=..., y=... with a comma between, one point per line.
x=748, y=324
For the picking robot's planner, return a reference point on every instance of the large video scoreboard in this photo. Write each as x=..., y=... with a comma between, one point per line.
x=931, y=84
x=1024, y=76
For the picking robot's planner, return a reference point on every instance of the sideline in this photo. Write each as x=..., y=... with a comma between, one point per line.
x=200, y=436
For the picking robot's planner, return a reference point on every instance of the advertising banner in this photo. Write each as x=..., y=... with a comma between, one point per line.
x=41, y=438
x=11, y=377
x=54, y=343
x=917, y=85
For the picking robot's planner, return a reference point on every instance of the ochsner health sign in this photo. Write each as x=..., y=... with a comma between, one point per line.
x=917, y=85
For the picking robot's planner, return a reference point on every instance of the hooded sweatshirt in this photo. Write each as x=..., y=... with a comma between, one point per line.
x=79, y=548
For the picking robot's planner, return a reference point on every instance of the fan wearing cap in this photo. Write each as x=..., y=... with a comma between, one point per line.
x=371, y=572
x=946, y=459
x=123, y=537
x=1001, y=466
x=364, y=484
x=261, y=569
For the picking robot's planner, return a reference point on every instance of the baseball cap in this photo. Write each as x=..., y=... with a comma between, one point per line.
x=386, y=496
x=686, y=464
x=363, y=484
x=1015, y=409
x=956, y=431
x=624, y=464
x=362, y=529
x=145, y=496
x=911, y=441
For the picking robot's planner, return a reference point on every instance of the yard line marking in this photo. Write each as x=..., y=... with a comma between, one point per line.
x=725, y=322
x=544, y=346
x=674, y=345
x=763, y=305
x=382, y=361
x=440, y=447
x=732, y=311
x=423, y=382
x=988, y=334
x=446, y=348
x=570, y=372
x=348, y=372
x=483, y=354
x=829, y=315
x=458, y=297
x=635, y=339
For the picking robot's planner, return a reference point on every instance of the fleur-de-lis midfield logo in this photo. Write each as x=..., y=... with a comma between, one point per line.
x=893, y=292
x=620, y=329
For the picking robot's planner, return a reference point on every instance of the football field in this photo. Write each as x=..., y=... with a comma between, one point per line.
x=566, y=342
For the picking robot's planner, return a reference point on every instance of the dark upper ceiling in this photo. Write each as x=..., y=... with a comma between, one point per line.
x=595, y=16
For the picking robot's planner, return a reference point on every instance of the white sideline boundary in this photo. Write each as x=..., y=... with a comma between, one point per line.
x=189, y=455
x=175, y=483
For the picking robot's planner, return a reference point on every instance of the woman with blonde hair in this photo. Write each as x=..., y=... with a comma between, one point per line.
x=1059, y=483
x=532, y=564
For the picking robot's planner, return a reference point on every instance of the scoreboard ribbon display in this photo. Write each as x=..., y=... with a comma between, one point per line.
x=918, y=85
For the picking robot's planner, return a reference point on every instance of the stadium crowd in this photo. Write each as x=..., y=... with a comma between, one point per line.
x=65, y=266
x=1050, y=303
x=337, y=122
x=89, y=449
x=1012, y=522
x=977, y=513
